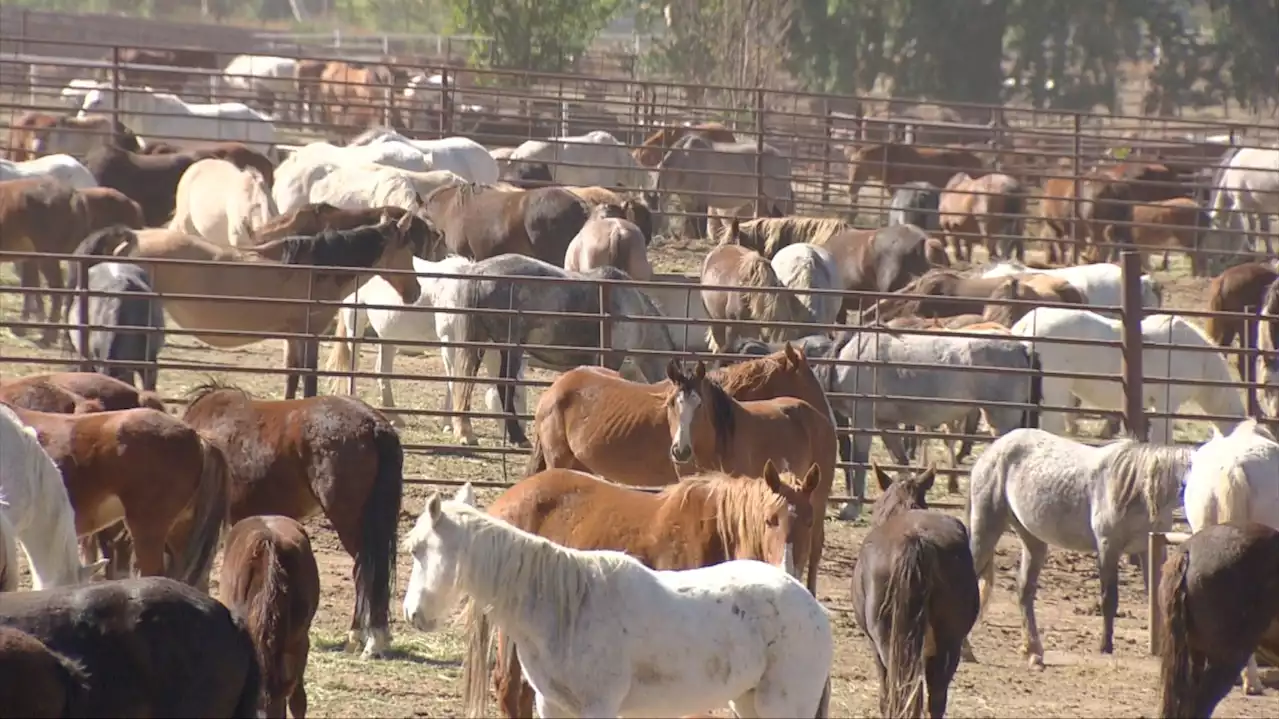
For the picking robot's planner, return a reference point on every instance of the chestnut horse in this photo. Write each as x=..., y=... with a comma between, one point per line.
x=650, y=152
x=332, y=455
x=992, y=208
x=39, y=683
x=165, y=480
x=892, y=163
x=1235, y=290
x=701, y=521
x=269, y=576
x=62, y=392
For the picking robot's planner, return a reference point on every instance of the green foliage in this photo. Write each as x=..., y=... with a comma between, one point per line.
x=539, y=35
x=1248, y=28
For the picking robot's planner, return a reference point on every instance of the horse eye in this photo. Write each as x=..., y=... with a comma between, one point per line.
x=773, y=521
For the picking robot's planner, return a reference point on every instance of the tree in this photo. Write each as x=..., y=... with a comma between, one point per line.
x=538, y=35
x=1248, y=29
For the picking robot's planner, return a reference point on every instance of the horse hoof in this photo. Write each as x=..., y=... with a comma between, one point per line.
x=1253, y=691
x=469, y=441
x=850, y=512
x=1035, y=661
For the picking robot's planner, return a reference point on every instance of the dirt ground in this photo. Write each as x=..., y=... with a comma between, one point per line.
x=422, y=678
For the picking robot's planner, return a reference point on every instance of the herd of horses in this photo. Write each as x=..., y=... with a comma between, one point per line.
x=587, y=596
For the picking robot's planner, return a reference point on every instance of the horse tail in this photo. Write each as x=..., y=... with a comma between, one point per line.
x=476, y=664
x=376, y=560
x=340, y=356
x=211, y=502
x=761, y=306
x=267, y=612
x=1233, y=497
x=249, y=703
x=111, y=241
x=1031, y=416
x=908, y=594
x=1177, y=683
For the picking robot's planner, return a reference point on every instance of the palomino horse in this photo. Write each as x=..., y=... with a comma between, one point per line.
x=147, y=647
x=1218, y=599
x=222, y=203
x=915, y=596
x=609, y=238
x=608, y=636
x=1080, y=498
x=37, y=512
x=330, y=455
x=338, y=255
x=992, y=208
x=765, y=299
x=269, y=575
x=1235, y=478
x=701, y=521
x=165, y=480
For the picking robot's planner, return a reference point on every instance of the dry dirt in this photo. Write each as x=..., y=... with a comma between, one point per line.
x=422, y=679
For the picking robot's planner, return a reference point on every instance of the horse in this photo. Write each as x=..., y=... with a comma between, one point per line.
x=161, y=115
x=596, y=158
x=269, y=576
x=503, y=283
x=1033, y=285
x=45, y=216
x=915, y=203
x=651, y=643
x=893, y=164
x=883, y=260
x=77, y=136
x=946, y=293
x=39, y=683
x=298, y=458
x=651, y=150
x=1179, y=222
x=632, y=210
x=460, y=155
x=928, y=367
x=915, y=595
x=147, y=647
x=1055, y=491
x=481, y=222
x=1268, y=363
x=38, y=514
x=109, y=338
x=1248, y=187
x=608, y=238
x=10, y=572
x=167, y=481
x=770, y=235
x=1102, y=214
x=1234, y=478
x=313, y=219
x=992, y=207
x=358, y=187
x=1235, y=290
x=266, y=79
x=24, y=130
x=1173, y=366
x=805, y=266
x=767, y=518
x=63, y=169
x=736, y=266
x=1102, y=282
x=108, y=392
x=222, y=203
x=1218, y=599
x=266, y=271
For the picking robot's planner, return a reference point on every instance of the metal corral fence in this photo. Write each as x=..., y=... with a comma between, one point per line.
x=502, y=109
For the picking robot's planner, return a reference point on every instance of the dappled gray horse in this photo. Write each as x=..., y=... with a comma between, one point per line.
x=915, y=203
x=1055, y=491
x=939, y=374
x=501, y=283
x=122, y=311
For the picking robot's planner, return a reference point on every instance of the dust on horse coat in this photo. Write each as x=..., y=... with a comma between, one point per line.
x=462, y=156
x=596, y=158
x=159, y=115
x=64, y=169
x=991, y=207
x=805, y=266
x=722, y=175
x=609, y=239
x=928, y=367
x=222, y=203
x=497, y=284
x=883, y=260
x=121, y=312
x=481, y=222
x=1044, y=324
x=915, y=203
x=1101, y=283
x=147, y=647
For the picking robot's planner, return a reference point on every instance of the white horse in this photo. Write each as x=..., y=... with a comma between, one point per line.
x=34, y=500
x=293, y=181
x=1102, y=283
x=62, y=168
x=1249, y=188
x=807, y=266
x=1235, y=478
x=222, y=203
x=162, y=115
x=261, y=75
x=357, y=188
x=75, y=91
x=9, y=569
x=595, y=159
x=460, y=155
x=601, y=635
x=1158, y=366
x=406, y=325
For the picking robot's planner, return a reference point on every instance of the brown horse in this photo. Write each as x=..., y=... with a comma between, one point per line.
x=480, y=221
x=166, y=481
x=315, y=218
x=992, y=207
x=729, y=264
x=594, y=196
x=892, y=163
x=650, y=152
x=701, y=521
x=24, y=129
x=269, y=576
x=332, y=455
x=1047, y=288
x=883, y=260
x=947, y=293
x=1218, y=599
x=42, y=395
x=112, y=393
x=1235, y=290
x=1178, y=223
x=915, y=596
x=38, y=682
x=1104, y=214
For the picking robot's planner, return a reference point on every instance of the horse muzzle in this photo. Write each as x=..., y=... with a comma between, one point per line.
x=681, y=455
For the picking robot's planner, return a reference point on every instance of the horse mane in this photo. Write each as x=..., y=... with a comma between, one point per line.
x=742, y=505
x=332, y=248
x=722, y=418
x=768, y=235
x=1151, y=473
x=210, y=386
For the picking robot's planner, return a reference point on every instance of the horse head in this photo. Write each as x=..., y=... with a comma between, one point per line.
x=900, y=495
x=682, y=407
x=788, y=526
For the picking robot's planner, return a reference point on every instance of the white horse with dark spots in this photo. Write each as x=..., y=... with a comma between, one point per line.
x=601, y=635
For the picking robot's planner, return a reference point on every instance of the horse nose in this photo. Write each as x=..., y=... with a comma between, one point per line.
x=680, y=454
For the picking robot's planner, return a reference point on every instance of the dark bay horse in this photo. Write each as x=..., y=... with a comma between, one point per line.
x=111, y=392
x=38, y=682
x=269, y=576
x=332, y=455
x=148, y=647
x=915, y=595
x=1218, y=597
x=481, y=221
x=703, y=520
x=315, y=218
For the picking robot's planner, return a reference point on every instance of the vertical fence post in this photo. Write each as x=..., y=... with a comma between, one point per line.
x=310, y=350
x=1076, y=150
x=446, y=103
x=1156, y=544
x=759, y=152
x=115, y=87
x=606, y=326
x=828, y=131
x=82, y=313
x=1131, y=309
x=1249, y=356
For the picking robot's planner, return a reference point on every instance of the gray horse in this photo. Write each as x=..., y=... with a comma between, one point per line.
x=1055, y=491
x=929, y=368
x=500, y=285
x=128, y=307
x=915, y=203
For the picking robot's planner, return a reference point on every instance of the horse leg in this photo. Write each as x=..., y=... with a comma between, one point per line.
x=897, y=447
x=374, y=637
x=292, y=356
x=298, y=698
x=148, y=547
x=1216, y=681
x=32, y=304
x=1034, y=554
x=1109, y=578
x=856, y=484
x=939, y=670
x=509, y=370
x=310, y=362
x=52, y=272
x=386, y=365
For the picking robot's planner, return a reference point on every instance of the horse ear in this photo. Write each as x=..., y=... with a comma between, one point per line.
x=925, y=481
x=433, y=506
x=700, y=371
x=792, y=355
x=883, y=479
x=673, y=371
x=466, y=494
x=811, y=479
x=734, y=227
x=771, y=477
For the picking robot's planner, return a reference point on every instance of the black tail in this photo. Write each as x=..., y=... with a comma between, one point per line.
x=1179, y=683
x=376, y=561
x=107, y=242
x=1031, y=417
